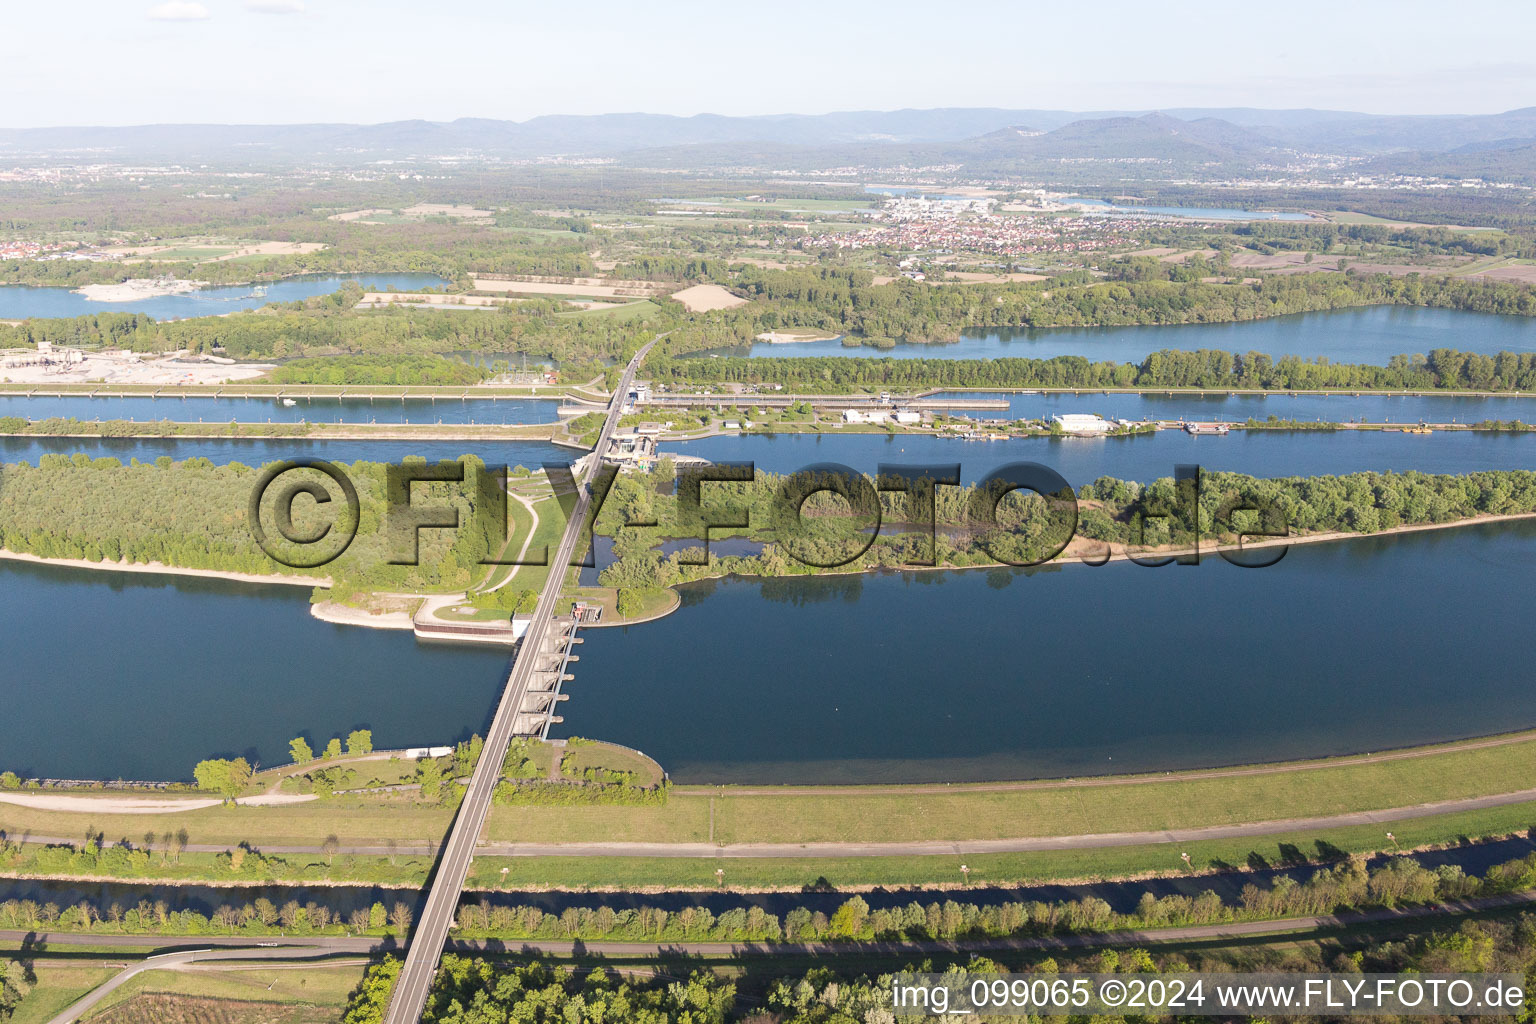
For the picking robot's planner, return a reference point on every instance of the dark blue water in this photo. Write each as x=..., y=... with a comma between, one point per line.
x=1140, y=457
x=259, y=451
x=1473, y=858
x=272, y=410
x=1002, y=674
x=1370, y=335
x=1159, y=405
x=18, y=302
x=174, y=669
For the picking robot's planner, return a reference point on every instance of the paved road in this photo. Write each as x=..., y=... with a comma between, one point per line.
x=915, y=848
x=175, y=961
x=410, y=995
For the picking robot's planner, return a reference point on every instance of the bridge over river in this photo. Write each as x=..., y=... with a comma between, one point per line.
x=526, y=705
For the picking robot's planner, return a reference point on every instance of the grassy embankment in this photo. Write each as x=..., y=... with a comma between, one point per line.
x=724, y=815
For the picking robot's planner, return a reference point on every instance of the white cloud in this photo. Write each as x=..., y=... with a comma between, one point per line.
x=276, y=6
x=179, y=10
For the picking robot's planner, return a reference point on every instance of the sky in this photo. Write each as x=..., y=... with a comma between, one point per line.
x=116, y=62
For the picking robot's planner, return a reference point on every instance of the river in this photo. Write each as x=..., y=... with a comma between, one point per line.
x=261, y=450
x=1081, y=460
x=1473, y=859
x=1156, y=405
x=1268, y=453
x=1372, y=334
x=272, y=410
x=1337, y=408
x=1002, y=674
x=1067, y=671
x=174, y=669
x=19, y=302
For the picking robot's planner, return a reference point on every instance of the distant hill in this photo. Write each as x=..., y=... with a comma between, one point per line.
x=981, y=137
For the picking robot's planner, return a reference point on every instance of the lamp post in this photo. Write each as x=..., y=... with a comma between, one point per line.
x=965, y=872
x=1392, y=837
x=1185, y=858
x=719, y=877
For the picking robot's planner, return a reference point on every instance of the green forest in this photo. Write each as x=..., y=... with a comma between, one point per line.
x=1028, y=528
x=193, y=514
x=418, y=344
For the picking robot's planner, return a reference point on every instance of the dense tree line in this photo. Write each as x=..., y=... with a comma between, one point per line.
x=1348, y=884
x=1439, y=369
x=378, y=370
x=474, y=992
x=1123, y=513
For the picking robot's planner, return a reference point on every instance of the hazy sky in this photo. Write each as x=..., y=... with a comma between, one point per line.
x=143, y=61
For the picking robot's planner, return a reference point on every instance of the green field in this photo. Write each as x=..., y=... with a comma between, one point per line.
x=616, y=311
x=875, y=814
x=988, y=868
x=296, y=993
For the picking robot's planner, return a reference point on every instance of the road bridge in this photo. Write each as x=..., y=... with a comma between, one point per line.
x=546, y=642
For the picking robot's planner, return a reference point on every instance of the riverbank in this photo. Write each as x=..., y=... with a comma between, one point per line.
x=138, y=289
x=161, y=569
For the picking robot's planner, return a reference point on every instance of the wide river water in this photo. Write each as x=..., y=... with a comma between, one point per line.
x=1068, y=671
x=18, y=302
x=1372, y=334
x=877, y=678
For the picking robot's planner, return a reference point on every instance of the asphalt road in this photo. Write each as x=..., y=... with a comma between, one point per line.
x=410, y=994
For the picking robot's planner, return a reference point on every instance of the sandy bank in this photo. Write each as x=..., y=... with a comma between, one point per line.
x=160, y=569
x=138, y=289
x=346, y=615
x=140, y=805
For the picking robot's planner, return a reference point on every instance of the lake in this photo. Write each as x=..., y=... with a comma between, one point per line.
x=272, y=410
x=1371, y=334
x=19, y=302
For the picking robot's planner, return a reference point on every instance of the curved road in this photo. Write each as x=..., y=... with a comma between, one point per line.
x=173, y=961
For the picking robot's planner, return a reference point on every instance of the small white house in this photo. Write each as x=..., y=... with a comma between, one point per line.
x=1082, y=423
x=732, y=424
x=908, y=418
x=852, y=416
